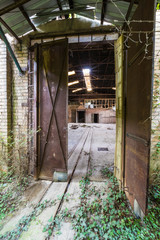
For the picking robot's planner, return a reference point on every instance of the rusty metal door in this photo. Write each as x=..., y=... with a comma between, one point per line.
x=52, y=94
x=138, y=105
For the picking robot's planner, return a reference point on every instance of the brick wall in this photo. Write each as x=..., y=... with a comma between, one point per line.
x=155, y=136
x=13, y=108
x=3, y=103
x=20, y=108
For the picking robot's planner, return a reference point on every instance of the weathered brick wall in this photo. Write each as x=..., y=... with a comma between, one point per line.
x=155, y=136
x=13, y=108
x=20, y=108
x=3, y=103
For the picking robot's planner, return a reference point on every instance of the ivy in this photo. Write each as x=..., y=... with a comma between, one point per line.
x=108, y=216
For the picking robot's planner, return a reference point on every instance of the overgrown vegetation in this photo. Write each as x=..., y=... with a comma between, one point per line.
x=26, y=220
x=11, y=190
x=108, y=216
x=100, y=215
x=13, y=171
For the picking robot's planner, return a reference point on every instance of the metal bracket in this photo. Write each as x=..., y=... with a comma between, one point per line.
x=138, y=139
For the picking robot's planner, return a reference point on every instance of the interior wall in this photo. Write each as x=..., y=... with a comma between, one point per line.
x=105, y=115
x=70, y=109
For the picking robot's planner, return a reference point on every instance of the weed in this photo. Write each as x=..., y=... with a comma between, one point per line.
x=26, y=220
x=11, y=190
x=108, y=216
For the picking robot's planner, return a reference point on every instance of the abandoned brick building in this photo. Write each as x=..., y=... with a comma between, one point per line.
x=78, y=62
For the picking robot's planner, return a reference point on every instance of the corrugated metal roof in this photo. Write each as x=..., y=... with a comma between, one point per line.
x=116, y=12
x=43, y=11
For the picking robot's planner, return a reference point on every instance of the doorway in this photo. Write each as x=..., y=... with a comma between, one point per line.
x=91, y=88
x=81, y=116
x=102, y=90
x=96, y=118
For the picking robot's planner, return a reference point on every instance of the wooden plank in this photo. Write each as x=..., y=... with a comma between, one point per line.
x=35, y=230
x=74, y=191
x=118, y=171
x=72, y=203
x=74, y=137
x=82, y=166
x=75, y=155
x=32, y=197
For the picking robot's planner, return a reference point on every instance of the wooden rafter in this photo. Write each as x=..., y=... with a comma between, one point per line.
x=103, y=11
x=21, y=8
x=136, y=1
x=71, y=5
x=10, y=30
x=13, y=6
x=128, y=12
x=59, y=5
x=93, y=95
x=76, y=33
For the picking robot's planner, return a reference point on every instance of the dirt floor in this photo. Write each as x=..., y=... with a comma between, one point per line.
x=90, y=149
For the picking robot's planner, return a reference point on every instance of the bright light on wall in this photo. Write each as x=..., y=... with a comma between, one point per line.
x=114, y=88
x=72, y=83
x=87, y=77
x=78, y=89
x=71, y=73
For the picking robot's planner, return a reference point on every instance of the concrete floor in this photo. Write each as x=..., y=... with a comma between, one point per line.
x=103, y=136
x=87, y=145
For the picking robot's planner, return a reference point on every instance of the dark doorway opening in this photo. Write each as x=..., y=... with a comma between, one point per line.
x=81, y=116
x=96, y=118
x=73, y=115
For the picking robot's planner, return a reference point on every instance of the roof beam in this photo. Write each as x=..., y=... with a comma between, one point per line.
x=76, y=33
x=13, y=6
x=136, y=1
x=10, y=30
x=59, y=5
x=128, y=13
x=71, y=5
x=104, y=10
x=72, y=88
x=21, y=8
x=92, y=95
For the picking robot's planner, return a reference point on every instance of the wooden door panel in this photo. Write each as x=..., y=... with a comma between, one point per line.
x=138, y=107
x=53, y=98
x=118, y=51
